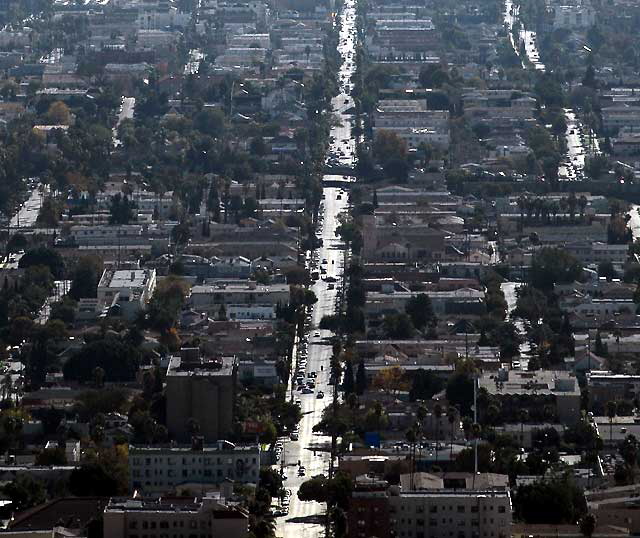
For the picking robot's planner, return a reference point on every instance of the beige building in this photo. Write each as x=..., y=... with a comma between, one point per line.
x=180, y=517
x=160, y=469
x=202, y=390
x=451, y=513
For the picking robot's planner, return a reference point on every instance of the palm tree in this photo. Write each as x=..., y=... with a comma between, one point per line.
x=524, y=417
x=612, y=411
x=452, y=419
x=411, y=439
x=353, y=403
x=582, y=204
x=437, y=411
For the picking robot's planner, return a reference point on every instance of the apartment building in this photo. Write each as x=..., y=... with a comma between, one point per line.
x=181, y=517
x=160, y=469
x=541, y=384
x=573, y=17
x=130, y=289
x=447, y=513
x=210, y=297
x=426, y=506
x=621, y=116
x=605, y=386
x=202, y=390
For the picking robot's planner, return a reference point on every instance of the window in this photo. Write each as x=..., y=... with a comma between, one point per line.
x=501, y=509
x=461, y=509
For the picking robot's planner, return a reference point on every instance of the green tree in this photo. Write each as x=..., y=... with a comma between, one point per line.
x=420, y=310
x=361, y=379
x=25, y=492
x=85, y=278
x=46, y=257
x=348, y=383
x=553, y=265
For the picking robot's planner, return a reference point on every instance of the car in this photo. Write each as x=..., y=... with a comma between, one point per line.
x=320, y=395
x=293, y=437
x=307, y=390
x=283, y=475
x=324, y=261
x=331, y=286
x=301, y=471
x=313, y=374
x=311, y=384
x=339, y=197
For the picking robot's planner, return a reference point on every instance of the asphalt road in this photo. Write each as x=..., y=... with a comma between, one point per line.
x=126, y=111
x=306, y=519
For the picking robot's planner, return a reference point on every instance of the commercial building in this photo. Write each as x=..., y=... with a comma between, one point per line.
x=182, y=517
x=160, y=469
x=200, y=391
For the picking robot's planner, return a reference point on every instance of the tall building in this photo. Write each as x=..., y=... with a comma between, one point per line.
x=200, y=396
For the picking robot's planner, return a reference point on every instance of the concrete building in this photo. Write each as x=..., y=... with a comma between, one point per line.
x=425, y=508
x=573, y=17
x=180, y=516
x=130, y=289
x=605, y=386
x=202, y=390
x=209, y=297
x=561, y=385
x=160, y=469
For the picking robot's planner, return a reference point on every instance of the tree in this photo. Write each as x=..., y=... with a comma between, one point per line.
x=58, y=113
x=424, y=385
x=25, y=492
x=606, y=270
x=391, y=380
x=361, y=379
x=398, y=326
x=420, y=310
x=612, y=411
x=388, y=146
x=121, y=211
x=166, y=303
x=437, y=413
x=46, y=257
x=271, y=480
x=348, y=384
x=119, y=361
x=459, y=391
x=85, y=278
x=553, y=265
x=588, y=525
x=103, y=474
x=551, y=502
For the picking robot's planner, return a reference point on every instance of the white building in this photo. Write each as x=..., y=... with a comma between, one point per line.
x=160, y=469
x=574, y=17
x=130, y=289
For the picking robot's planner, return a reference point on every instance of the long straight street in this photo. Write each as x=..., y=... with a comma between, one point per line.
x=306, y=519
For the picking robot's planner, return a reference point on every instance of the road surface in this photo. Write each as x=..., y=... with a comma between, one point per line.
x=306, y=519
x=572, y=166
x=127, y=108
x=28, y=213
